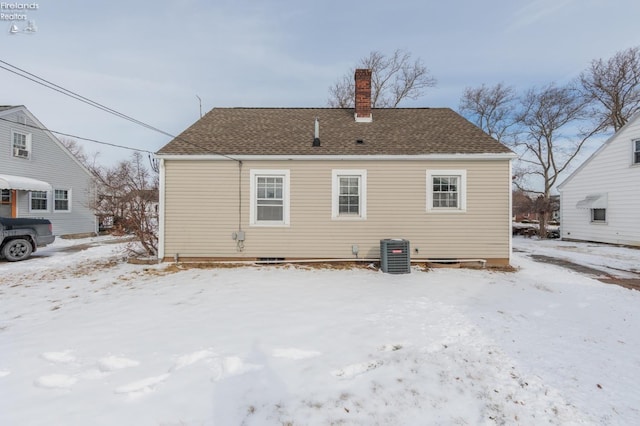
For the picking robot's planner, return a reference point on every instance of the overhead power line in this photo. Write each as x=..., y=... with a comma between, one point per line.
x=50, y=85
x=78, y=137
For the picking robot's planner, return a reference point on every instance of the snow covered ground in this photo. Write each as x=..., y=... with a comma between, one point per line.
x=87, y=339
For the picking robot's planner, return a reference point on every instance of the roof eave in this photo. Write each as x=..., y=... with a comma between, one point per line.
x=378, y=157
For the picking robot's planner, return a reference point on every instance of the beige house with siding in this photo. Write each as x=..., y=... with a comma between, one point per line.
x=330, y=183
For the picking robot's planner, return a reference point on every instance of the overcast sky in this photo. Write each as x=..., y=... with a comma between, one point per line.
x=151, y=59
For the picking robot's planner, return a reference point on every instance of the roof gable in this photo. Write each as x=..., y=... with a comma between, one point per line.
x=601, y=148
x=290, y=131
x=38, y=126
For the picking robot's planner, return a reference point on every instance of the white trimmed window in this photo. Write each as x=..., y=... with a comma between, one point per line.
x=61, y=200
x=349, y=194
x=269, y=192
x=446, y=190
x=636, y=152
x=5, y=196
x=21, y=144
x=599, y=215
x=38, y=201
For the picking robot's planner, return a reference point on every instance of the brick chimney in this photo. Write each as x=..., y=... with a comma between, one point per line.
x=363, y=96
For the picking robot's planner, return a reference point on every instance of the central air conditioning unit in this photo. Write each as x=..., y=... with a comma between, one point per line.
x=395, y=256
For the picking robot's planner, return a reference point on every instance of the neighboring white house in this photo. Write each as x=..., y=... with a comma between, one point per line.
x=600, y=201
x=39, y=177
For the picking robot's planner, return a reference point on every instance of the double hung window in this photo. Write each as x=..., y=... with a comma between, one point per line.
x=38, y=201
x=61, y=200
x=269, y=197
x=446, y=190
x=21, y=145
x=349, y=194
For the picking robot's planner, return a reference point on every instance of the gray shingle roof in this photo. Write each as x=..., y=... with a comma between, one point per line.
x=290, y=131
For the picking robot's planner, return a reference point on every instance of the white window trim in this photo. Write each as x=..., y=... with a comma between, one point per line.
x=335, y=193
x=53, y=206
x=462, y=205
x=253, y=217
x=32, y=210
x=633, y=152
x=27, y=143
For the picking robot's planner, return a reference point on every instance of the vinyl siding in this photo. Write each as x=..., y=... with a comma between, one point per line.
x=609, y=171
x=51, y=163
x=201, y=211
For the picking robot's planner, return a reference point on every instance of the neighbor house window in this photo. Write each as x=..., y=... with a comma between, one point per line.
x=636, y=152
x=598, y=215
x=446, y=190
x=5, y=196
x=21, y=146
x=38, y=201
x=349, y=194
x=61, y=200
x=269, y=197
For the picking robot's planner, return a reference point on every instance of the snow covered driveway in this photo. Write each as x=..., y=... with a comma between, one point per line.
x=86, y=339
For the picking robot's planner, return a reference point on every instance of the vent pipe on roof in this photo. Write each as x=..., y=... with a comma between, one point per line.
x=316, y=133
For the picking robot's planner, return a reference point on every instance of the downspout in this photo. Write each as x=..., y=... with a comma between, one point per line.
x=240, y=238
x=161, y=212
x=510, y=225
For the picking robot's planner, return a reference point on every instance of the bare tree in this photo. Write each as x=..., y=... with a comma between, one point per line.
x=544, y=126
x=544, y=116
x=491, y=108
x=128, y=192
x=74, y=148
x=77, y=150
x=613, y=88
x=393, y=79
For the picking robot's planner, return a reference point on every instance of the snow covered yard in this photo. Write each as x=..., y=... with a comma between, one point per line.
x=86, y=339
